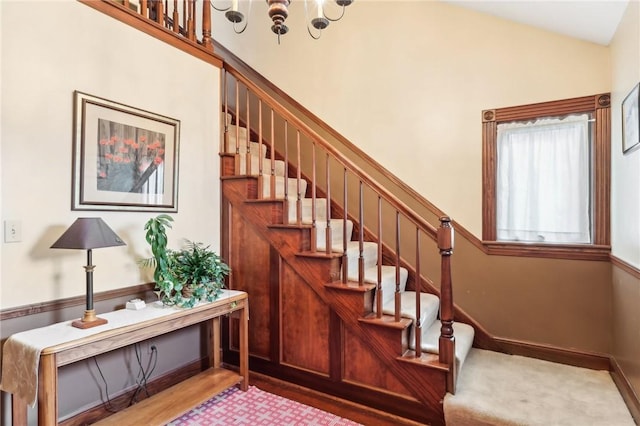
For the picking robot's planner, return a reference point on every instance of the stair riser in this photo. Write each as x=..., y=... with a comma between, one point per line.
x=397, y=339
x=306, y=210
x=358, y=302
x=248, y=188
x=279, y=166
x=255, y=148
x=279, y=192
x=337, y=232
x=369, y=256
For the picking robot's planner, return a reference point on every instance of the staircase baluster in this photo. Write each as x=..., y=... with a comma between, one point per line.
x=418, y=285
x=361, y=236
x=314, y=234
x=191, y=28
x=185, y=22
x=237, y=116
x=159, y=12
x=398, y=306
x=447, y=340
x=144, y=8
x=207, y=42
x=176, y=18
x=247, y=160
x=328, y=236
x=225, y=137
x=298, y=179
x=260, y=177
x=272, y=149
x=345, y=259
x=379, y=294
x=286, y=171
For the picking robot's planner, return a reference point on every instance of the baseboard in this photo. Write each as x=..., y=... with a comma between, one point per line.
x=120, y=402
x=629, y=395
x=554, y=354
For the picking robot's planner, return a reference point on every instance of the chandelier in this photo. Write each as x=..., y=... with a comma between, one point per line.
x=278, y=12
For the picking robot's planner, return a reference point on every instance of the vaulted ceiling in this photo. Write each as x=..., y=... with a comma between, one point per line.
x=591, y=20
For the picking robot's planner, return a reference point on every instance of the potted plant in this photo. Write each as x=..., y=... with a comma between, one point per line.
x=186, y=276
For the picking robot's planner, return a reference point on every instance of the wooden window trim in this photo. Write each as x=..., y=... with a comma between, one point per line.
x=599, y=107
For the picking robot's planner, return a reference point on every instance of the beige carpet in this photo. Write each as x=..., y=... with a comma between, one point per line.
x=499, y=389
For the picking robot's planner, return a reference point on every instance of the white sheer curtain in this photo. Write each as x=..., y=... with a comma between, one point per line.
x=543, y=186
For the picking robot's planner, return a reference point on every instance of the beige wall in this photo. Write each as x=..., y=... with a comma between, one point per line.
x=50, y=49
x=406, y=80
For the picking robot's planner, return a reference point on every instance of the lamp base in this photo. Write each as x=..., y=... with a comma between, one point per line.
x=89, y=320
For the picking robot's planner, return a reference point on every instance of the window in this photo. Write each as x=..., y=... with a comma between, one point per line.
x=546, y=179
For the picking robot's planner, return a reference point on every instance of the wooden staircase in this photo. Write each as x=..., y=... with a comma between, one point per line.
x=333, y=307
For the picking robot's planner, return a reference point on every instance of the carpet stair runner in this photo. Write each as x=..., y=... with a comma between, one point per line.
x=430, y=303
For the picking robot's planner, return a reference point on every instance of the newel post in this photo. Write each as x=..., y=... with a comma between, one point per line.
x=447, y=342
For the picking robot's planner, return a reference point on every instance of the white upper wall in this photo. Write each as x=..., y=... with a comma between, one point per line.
x=406, y=81
x=50, y=49
x=625, y=169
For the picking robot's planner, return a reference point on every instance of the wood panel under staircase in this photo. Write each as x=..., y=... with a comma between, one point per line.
x=334, y=306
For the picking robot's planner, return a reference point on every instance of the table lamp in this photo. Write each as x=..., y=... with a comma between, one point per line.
x=88, y=233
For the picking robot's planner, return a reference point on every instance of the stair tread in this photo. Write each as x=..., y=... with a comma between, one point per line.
x=464, y=334
x=426, y=359
x=351, y=286
x=319, y=254
x=290, y=225
x=429, y=306
x=386, y=321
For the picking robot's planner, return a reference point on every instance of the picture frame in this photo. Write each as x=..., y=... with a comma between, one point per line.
x=124, y=158
x=631, y=120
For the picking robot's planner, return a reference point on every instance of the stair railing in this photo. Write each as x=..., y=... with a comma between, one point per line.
x=251, y=101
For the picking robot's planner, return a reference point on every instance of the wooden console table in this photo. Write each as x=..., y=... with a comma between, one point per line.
x=192, y=391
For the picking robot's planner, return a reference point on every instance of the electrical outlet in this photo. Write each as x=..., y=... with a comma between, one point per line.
x=12, y=231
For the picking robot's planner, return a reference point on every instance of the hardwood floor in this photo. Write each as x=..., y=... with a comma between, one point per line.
x=343, y=408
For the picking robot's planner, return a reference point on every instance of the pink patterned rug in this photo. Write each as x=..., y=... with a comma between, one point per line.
x=254, y=408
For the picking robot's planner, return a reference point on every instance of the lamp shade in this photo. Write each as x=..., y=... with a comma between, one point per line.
x=88, y=233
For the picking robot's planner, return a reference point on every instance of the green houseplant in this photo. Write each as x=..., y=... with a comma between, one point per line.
x=186, y=276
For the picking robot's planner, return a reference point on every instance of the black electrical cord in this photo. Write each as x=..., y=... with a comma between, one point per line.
x=144, y=374
x=141, y=380
x=107, y=404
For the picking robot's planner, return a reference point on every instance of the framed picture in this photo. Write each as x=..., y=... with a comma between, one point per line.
x=124, y=158
x=631, y=120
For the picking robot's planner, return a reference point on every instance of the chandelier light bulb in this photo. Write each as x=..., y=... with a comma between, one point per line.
x=278, y=13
